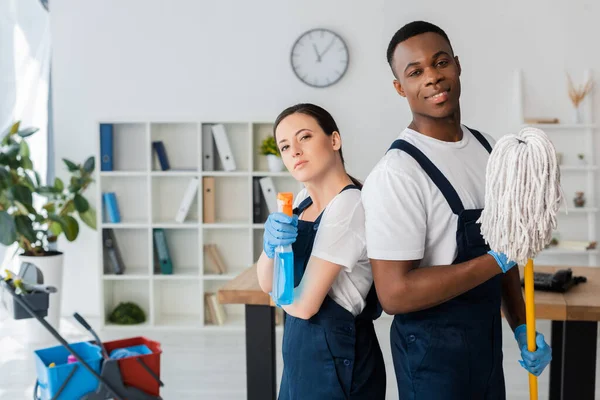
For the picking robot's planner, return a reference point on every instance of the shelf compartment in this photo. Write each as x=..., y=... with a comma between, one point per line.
x=131, y=193
x=127, y=136
x=260, y=131
x=118, y=291
x=183, y=250
x=167, y=194
x=132, y=245
x=238, y=136
x=181, y=143
x=233, y=247
x=178, y=303
x=228, y=203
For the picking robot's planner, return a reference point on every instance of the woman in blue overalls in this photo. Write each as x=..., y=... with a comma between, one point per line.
x=330, y=349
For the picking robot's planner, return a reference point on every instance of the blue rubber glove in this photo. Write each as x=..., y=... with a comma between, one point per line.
x=502, y=261
x=280, y=230
x=536, y=361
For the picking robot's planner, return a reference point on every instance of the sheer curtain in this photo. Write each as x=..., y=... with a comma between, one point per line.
x=24, y=75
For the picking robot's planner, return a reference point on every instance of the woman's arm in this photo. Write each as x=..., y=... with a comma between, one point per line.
x=264, y=270
x=314, y=286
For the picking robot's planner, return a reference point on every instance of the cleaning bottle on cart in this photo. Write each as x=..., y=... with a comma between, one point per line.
x=283, y=266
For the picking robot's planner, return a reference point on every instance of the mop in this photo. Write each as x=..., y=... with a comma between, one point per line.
x=522, y=198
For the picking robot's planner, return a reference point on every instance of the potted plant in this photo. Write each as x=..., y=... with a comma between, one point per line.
x=269, y=148
x=581, y=158
x=34, y=215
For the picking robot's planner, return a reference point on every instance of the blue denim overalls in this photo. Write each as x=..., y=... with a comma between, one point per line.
x=454, y=350
x=333, y=355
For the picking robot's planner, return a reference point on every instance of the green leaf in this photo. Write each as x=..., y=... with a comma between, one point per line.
x=5, y=180
x=25, y=227
x=22, y=208
x=59, y=185
x=89, y=164
x=50, y=207
x=71, y=165
x=14, y=128
x=12, y=150
x=81, y=204
x=26, y=163
x=20, y=193
x=47, y=191
x=55, y=228
x=24, y=149
x=8, y=230
x=38, y=179
x=28, y=182
x=89, y=218
x=69, y=208
x=27, y=132
x=71, y=228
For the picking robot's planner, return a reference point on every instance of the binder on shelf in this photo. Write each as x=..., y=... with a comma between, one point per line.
x=208, y=200
x=209, y=318
x=112, y=259
x=161, y=154
x=260, y=212
x=111, y=207
x=223, y=147
x=217, y=265
x=217, y=311
x=187, y=200
x=269, y=193
x=106, y=147
x=162, y=251
x=208, y=149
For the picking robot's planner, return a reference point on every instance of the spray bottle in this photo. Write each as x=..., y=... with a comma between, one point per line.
x=283, y=267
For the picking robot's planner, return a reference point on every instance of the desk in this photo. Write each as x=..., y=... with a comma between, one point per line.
x=574, y=317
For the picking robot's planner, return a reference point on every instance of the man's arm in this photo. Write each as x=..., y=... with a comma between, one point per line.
x=402, y=287
x=513, y=305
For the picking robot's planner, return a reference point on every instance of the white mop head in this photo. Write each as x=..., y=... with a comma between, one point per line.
x=522, y=195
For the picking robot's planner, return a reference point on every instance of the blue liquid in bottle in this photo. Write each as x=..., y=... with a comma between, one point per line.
x=283, y=276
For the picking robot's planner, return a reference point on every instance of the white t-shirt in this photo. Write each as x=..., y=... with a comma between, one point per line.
x=340, y=239
x=407, y=217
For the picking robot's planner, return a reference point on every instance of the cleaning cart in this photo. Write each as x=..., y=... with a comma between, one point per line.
x=122, y=369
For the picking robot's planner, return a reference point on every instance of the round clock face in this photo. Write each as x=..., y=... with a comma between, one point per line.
x=319, y=58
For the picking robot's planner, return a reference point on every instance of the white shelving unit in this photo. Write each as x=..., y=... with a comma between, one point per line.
x=148, y=198
x=574, y=224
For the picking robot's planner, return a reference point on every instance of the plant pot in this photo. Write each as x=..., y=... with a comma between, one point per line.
x=51, y=268
x=275, y=163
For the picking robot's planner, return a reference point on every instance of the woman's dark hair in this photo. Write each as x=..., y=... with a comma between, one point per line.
x=323, y=118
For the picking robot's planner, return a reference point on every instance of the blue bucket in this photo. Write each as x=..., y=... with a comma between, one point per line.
x=50, y=379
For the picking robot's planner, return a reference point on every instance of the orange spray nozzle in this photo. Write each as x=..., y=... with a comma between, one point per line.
x=284, y=202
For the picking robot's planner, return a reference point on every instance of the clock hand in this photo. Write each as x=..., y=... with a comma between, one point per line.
x=317, y=52
x=328, y=47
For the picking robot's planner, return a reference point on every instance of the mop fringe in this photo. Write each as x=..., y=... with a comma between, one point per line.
x=522, y=195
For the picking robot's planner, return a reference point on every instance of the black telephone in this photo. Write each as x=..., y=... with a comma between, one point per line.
x=560, y=281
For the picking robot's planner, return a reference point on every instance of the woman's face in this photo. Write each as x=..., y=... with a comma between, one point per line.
x=306, y=150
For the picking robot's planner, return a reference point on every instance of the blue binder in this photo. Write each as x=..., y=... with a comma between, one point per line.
x=161, y=153
x=111, y=207
x=162, y=251
x=106, y=147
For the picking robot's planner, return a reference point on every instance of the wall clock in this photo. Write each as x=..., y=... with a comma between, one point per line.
x=319, y=57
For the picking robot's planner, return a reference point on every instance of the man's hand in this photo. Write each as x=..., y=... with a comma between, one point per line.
x=535, y=362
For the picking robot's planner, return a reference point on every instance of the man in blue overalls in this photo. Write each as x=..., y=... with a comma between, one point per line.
x=432, y=269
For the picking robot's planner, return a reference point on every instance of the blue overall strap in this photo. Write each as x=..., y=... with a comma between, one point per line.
x=434, y=174
x=481, y=139
x=308, y=201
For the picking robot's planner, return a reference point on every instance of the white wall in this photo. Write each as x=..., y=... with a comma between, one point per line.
x=229, y=60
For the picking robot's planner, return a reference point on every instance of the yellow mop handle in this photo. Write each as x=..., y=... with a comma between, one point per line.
x=530, y=318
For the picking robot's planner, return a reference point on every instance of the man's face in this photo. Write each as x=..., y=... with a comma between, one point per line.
x=427, y=74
